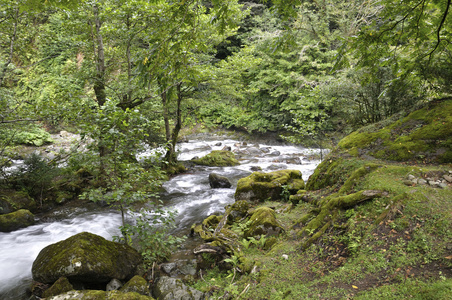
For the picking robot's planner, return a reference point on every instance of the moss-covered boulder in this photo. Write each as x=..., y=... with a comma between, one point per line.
x=168, y=288
x=11, y=200
x=100, y=295
x=16, y=220
x=86, y=258
x=217, y=158
x=263, y=222
x=268, y=186
x=425, y=135
x=137, y=285
x=61, y=286
x=238, y=210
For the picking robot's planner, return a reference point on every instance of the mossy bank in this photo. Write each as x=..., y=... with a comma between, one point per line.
x=373, y=222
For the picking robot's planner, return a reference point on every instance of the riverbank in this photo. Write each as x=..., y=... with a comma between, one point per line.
x=365, y=228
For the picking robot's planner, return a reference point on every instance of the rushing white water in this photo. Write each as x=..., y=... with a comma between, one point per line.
x=190, y=194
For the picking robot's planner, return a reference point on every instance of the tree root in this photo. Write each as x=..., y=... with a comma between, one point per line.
x=329, y=210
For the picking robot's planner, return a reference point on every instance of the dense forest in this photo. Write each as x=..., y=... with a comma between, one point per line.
x=127, y=75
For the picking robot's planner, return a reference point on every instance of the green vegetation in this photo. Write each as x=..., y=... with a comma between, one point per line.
x=129, y=75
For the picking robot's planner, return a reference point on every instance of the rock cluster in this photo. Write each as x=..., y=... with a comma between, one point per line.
x=437, y=181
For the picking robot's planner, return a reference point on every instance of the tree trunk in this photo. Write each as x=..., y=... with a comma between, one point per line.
x=11, y=48
x=170, y=154
x=99, y=89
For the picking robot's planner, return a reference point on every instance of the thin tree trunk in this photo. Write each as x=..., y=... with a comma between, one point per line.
x=11, y=47
x=170, y=157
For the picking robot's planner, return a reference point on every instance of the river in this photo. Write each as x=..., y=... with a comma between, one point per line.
x=190, y=194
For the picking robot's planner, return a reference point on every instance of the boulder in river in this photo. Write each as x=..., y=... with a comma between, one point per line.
x=217, y=181
x=86, y=258
x=16, y=220
x=268, y=186
x=217, y=158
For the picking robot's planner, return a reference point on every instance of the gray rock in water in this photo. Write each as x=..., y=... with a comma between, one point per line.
x=168, y=288
x=217, y=181
x=114, y=285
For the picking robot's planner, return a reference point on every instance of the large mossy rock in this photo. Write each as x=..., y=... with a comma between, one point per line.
x=100, y=295
x=268, y=186
x=425, y=135
x=168, y=288
x=86, y=258
x=217, y=158
x=263, y=222
x=16, y=220
x=11, y=200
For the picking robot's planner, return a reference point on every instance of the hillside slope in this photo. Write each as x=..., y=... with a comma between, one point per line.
x=374, y=222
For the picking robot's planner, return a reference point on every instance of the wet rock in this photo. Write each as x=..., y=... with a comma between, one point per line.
x=218, y=144
x=16, y=220
x=254, y=151
x=263, y=186
x=85, y=257
x=275, y=153
x=226, y=148
x=256, y=168
x=275, y=167
x=137, y=285
x=62, y=285
x=168, y=288
x=263, y=222
x=265, y=150
x=217, y=181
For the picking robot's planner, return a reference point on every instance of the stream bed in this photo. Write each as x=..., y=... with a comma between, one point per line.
x=189, y=193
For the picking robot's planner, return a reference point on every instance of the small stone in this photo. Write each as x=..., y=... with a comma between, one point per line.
x=414, y=181
x=408, y=182
x=448, y=178
x=422, y=181
x=433, y=183
x=411, y=177
x=114, y=285
x=285, y=256
x=443, y=185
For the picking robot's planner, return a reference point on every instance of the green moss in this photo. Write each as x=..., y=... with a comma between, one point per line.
x=16, y=220
x=11, y=200
x=268, y=186
x=425, y=135
x=356, y=176
x=62, y=285
x=263, y=222
x=298, y=197
x=85, y=257
x=217, y=158
x=137, y=284
x=102, y=295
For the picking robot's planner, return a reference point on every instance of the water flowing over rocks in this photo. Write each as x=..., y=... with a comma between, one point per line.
x=86, y=258
x=189, y=193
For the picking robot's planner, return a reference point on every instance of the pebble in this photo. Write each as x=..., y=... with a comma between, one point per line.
x=448, y=178
x=285, y=256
